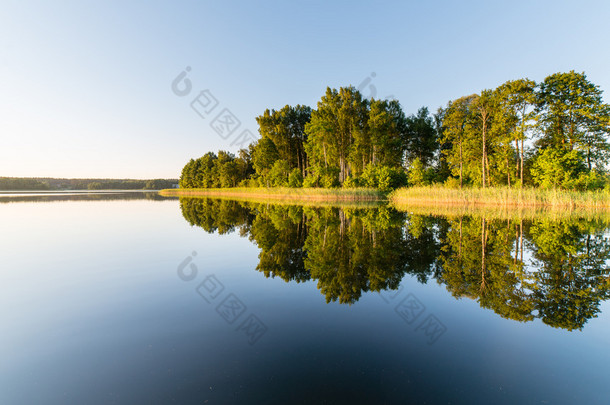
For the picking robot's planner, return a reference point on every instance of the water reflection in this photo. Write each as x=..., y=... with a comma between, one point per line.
x=82, y=195
x=522, y=269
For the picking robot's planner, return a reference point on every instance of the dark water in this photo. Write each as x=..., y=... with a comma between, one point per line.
x=139, y=299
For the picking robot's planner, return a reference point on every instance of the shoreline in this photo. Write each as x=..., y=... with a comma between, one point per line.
x=284, y=194
x=427, y=196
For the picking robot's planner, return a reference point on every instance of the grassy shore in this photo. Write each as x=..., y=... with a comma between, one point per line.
x=282, y=193
x=500, y=197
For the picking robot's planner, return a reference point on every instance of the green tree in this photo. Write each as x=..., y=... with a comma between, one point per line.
x=457, y=143
x=572, y=116
x=416, y=173
x=420, y=137
x=557, y=168
x=286, y=129
x=278, y=175
x=264, y=155
x=517, y=102
x=338, y=120
x=385, y=127
x=295, y=179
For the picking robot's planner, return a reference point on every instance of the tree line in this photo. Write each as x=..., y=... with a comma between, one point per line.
x=552, y=134
x=19, y=183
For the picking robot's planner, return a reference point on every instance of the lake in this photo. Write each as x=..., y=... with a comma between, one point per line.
x=134, y=298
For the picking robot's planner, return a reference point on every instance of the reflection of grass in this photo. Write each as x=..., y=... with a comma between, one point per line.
x=255, y=201
x=501, y=197
x=495, y=212
x=282, y=194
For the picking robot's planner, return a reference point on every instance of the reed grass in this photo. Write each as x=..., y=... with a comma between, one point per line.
x=282, y=193
x=501, y=197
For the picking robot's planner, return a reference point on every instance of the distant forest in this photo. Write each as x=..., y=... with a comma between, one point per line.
x=552, y=134
x=18, y=183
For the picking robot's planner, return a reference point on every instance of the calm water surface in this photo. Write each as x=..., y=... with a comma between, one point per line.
x=138, y=299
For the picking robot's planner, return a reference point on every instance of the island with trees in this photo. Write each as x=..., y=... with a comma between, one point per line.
x=520, y=142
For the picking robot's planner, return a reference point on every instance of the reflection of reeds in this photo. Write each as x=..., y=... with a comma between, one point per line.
x=502, y=197
x=283, y=194
x=495, y=212
x=291, y=202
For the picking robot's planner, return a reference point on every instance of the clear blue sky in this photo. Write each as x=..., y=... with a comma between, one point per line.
x=85, y=87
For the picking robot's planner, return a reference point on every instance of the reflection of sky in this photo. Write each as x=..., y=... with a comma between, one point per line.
x=92, y=308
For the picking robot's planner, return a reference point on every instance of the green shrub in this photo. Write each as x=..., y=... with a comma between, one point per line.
x=384, y=178
x=452, y=182
x=416, y=173
x=352, y=182
x=554, y=168
x=295, y=179
x=311, y=180
x=329, y=180
x=278, y=175
x=588, y=181
x=322, y=177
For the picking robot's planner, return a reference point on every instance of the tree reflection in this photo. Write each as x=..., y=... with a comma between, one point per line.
x=477, y=262
x=554, y=270
x=354, y=251
x=280, y=233
x=572, y=278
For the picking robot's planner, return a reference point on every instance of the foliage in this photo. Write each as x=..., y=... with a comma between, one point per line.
x=520, y=134
x=278, y=175
x=384, y=178
x=416, y=173
x=282, y=137
x=557, y=168
x=420, y=137
x=7, y=183
x=211, y=170
x=295, y=179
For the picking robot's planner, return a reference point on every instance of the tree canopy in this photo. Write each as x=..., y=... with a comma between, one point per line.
x=548, y=134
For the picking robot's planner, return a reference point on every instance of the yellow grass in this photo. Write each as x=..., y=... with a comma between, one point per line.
x=282, y=193
x=504, y=197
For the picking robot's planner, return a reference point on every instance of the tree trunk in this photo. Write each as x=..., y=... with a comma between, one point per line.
x=487, y=167
x=483, y=245
x=521, y=162
x=518, y=154
x=460, y=247
x=484, y=156
x=508, y=171
x=325, y=159
x=461, y=181
x=521, y=238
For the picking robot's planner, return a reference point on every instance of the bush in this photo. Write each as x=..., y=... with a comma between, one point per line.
x=352, y=182
x=588, y=181
x=452, y=182
x=329, y=180
x=554, y=168
x=322, y=177
x=311, y=180
x=295, y=179
x=278, y=175
x=249, y=183
x=384, y=178
x=416, y=173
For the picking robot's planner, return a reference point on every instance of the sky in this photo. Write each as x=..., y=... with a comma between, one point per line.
x=91, y=89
